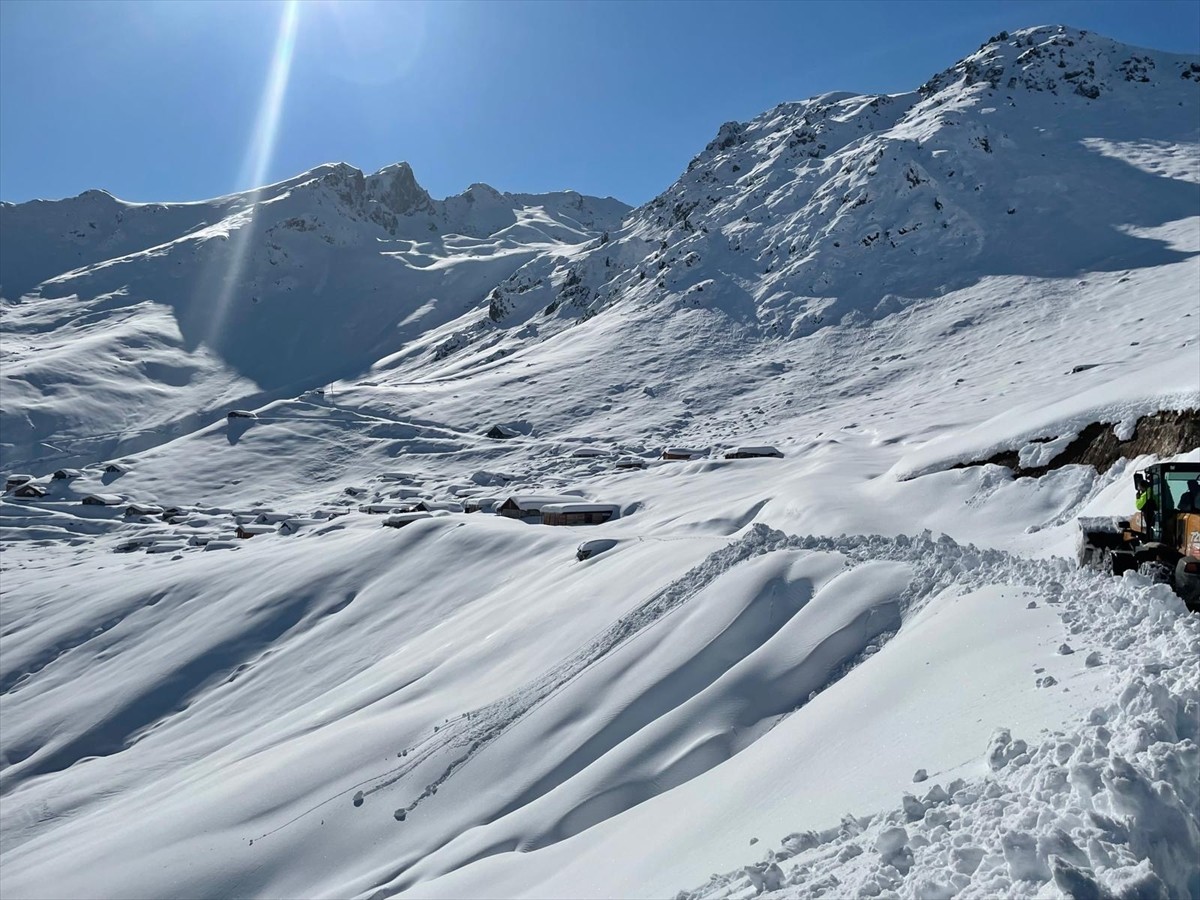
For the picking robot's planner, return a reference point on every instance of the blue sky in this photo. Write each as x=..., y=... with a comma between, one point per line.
x=170, y=101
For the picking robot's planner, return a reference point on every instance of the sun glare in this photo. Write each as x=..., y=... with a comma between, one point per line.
x=258, y=157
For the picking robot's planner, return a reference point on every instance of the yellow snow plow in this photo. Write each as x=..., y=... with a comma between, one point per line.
x=1160, y=540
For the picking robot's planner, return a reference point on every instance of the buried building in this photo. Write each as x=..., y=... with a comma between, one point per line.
x=529, y=506
x=761, y=452
x=579, y=513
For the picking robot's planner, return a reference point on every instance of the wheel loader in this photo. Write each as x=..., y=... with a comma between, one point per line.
x=1161, y=540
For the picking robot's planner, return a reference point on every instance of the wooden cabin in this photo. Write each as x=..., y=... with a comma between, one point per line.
x=102, y=500
x=30, y=490
x=482, y=504
x=115, y=468
x=434, y=506
x=579, y=513
x=683, y=453
x=399, y=520
x=379, y=509
x=66, y=474
x=529, y=506
x=133, y=510
x=245, y=532
x=291, y=526
x=272, y=518
x=502, y=432
x=631, y=462
x=763, y=452
x=12, y=482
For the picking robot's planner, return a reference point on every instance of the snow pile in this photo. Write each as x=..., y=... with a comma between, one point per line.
x=1108, y=808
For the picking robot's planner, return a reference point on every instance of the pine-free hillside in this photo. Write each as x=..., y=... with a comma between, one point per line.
x=147, y=320
x=849, y=206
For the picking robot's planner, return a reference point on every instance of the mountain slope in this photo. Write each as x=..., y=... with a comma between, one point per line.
x=279, y=290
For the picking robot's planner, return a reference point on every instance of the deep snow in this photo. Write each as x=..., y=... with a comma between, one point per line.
x=852, y=671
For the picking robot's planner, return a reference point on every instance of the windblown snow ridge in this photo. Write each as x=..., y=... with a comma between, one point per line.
x=1108, y=809
x=936, y=565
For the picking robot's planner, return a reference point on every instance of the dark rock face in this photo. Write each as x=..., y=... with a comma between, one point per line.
x=1162, y=434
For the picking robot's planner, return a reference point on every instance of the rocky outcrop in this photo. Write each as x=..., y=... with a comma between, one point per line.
x=1163, y=434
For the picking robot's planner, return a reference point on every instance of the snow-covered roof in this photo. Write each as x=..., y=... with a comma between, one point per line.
x=757, y=450
x=256, y=529
x=580, y=507
x=104, y=499
x=397, y=519
x=685, y=451
x=537, y=501
x=144, y=509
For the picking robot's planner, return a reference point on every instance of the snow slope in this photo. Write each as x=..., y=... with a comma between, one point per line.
x=854, y=671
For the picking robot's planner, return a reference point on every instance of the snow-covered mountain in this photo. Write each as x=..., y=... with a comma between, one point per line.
x=868, y=668
x=127, y=322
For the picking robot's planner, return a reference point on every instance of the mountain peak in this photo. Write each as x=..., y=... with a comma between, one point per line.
x=396, y=188
x=1059, y=59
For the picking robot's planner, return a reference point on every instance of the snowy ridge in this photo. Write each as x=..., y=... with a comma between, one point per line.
x=848, y=206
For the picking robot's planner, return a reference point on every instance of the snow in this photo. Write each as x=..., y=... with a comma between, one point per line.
x=852, y=671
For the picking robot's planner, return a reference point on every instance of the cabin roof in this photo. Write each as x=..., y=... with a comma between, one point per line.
x=580, y=507
x=537, y=501
x=106, y=499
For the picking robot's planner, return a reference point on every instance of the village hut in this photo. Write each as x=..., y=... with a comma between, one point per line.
x=502, y=432
x=399, y=520
x=434, y=506
x=291, y=526
x=116, y=468
x=102, y=500
x=761, y=452
x=631, y=462
x=241, y=414
x=12, y=482
x=66, y=474
x=379, y=509
x=272, y=518
x=482, y=504
x=133, y=510
x=245, y=532
x=683, y=453
x=529, y=506
x=30, y=490
x=579, y=513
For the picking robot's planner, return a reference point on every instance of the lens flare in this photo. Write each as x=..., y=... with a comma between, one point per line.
x=256, y=164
